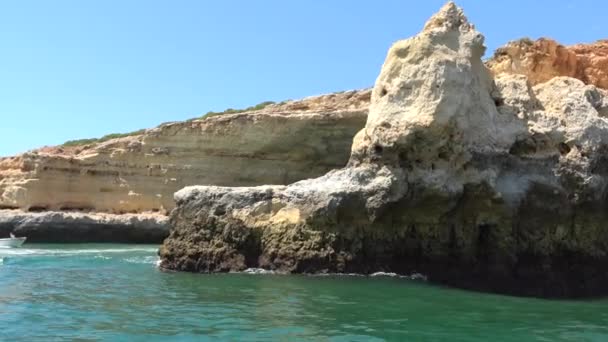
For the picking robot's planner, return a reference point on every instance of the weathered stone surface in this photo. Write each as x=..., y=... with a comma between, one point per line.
x=82, y=227
x=544, y=59
x=483, y=183
x=296, y=140
x=280, y=144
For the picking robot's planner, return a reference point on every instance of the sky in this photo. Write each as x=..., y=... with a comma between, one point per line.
x=81, y=69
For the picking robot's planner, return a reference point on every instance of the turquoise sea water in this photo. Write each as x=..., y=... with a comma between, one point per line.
x=115, y=293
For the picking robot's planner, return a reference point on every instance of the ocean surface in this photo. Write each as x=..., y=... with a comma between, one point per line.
x=116, y=293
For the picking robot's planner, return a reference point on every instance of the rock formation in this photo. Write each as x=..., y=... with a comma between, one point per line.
x=295, y=140
x=477, y=181
x=545, y=59
x=84, y=227
x=280, y=144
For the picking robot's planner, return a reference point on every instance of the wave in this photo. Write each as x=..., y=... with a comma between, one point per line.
x=150, y=259
x=68, y=252
x=413, y=276
x=257, y=271
x=337, y=274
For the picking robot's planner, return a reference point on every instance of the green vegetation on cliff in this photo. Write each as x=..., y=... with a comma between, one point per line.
x=82, y=142
x=259, y=106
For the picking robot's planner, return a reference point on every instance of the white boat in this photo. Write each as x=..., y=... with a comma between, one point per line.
x=12, y=242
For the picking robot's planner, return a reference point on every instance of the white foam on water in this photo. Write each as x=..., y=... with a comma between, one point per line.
x=336, y=275
x=384, y=274
x=257, y=271
x=418, y=276
x=413, y=276
x=150, y=259
x=69, y=252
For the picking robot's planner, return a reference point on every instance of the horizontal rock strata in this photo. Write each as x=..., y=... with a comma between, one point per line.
x=544, y=59
x=478, y=181
x=280, y=144
x=67, y=227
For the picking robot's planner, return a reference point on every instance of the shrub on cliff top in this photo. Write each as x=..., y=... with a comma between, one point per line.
x=81, y=142
x=259, y=106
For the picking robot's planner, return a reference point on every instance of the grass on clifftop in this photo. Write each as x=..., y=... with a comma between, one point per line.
x=259, y=106
x=82, y=142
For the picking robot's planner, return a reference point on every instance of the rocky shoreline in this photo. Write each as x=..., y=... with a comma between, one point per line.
x=476, y=180
x=487, y=175
x=280, y=143
x=72, y=227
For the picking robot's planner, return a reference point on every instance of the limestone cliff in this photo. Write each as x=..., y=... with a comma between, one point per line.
x=295, y=140
x=477, y=181
x=545, y=59
x=280, y=144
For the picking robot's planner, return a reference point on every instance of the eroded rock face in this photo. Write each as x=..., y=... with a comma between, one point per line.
x=84, y=227
x=280, y=144
x=544, y=59
x=478, y=182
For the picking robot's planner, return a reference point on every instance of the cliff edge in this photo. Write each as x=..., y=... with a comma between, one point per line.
x=544, y=59
x=279, y=144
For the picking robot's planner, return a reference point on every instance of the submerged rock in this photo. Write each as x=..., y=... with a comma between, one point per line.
x=475, y=181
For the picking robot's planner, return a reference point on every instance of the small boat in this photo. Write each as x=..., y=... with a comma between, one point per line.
x=12, y=242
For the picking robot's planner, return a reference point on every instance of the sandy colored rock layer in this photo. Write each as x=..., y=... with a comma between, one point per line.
x=281, y=144
x=544, y=59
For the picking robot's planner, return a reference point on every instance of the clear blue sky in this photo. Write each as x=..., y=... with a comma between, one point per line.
x=79, y=69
